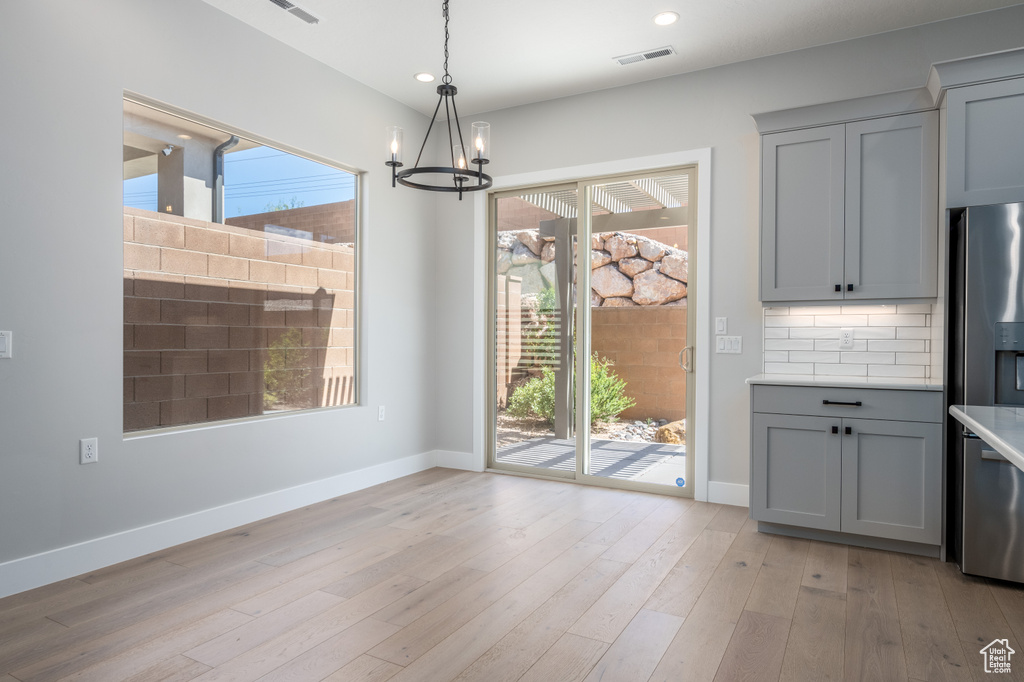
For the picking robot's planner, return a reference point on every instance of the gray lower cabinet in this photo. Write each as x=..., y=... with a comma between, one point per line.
x=830, y=471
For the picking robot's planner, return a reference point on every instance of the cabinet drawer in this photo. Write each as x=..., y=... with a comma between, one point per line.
x=875, y=403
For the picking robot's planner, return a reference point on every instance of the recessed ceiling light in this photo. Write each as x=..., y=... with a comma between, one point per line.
x=184, y=137
x=666, y=18
x=424, y=77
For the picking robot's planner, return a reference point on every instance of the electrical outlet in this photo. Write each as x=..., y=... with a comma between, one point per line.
x=89, y=450
x=845, y=339
x=380, y=413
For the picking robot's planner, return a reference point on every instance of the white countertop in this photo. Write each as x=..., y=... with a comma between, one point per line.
x=1000, y=427
x=845, y=382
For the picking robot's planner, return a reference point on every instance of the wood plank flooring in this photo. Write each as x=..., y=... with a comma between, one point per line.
x=449, y=575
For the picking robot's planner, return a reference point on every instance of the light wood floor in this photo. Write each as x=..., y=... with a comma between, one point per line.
x=453, y=575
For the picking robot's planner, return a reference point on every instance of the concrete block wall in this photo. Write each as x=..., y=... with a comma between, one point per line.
x=224, y=322
x=644, y=344
x=333, y=223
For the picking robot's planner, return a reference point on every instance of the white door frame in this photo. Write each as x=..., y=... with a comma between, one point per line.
x=701, y=158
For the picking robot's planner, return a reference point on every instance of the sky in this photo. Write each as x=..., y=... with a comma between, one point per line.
x=258, y=179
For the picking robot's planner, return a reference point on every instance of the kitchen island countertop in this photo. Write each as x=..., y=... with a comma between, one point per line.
x=1000, y=427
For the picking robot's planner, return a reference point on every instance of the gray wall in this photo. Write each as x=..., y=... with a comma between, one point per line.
x=704, y=109
x=65, y=67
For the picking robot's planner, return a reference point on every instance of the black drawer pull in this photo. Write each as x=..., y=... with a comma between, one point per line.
x=839, y=402
x=848, y=430
x=849, y=287
x=839, y=287
x=835, y=430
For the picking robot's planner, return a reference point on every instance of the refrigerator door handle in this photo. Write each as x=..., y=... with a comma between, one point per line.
x=992, y=455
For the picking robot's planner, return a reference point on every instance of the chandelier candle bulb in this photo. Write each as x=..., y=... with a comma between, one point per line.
x=394, y=141
x=481, y=141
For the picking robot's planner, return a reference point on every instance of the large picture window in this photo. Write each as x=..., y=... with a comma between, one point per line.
x=239, y=276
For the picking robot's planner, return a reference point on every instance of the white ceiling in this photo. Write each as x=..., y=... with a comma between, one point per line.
x=512, y=52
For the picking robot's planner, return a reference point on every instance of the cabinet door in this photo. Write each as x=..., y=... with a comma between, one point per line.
x=892, y=170
x=986, y=144
x=892, y=480
x=795, y=470
x=802, y=214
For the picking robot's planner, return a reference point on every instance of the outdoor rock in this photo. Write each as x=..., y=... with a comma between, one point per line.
x=654, y=288
x=547, y=254
x=504, y=261
x=532, y=281
x=673, y=432
x=620, y=246
x=532, y=239
x=597, y=242
x=618, y=302
x=650, y=249
x=522, y=254
x=599, y=259
x=676, y=265
x=595, y=299
x=634, y=266
x=550, y=273
x=609, y=282
x=506, y=240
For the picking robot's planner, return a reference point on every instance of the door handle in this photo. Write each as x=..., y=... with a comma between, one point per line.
x=992, y=455
x=687, y=364
x=848, y=431
x=835, y=430
x=838, y=402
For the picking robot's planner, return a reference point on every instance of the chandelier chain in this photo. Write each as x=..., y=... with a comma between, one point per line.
x=447, y=77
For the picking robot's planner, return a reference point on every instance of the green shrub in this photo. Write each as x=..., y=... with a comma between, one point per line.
x=536, y=398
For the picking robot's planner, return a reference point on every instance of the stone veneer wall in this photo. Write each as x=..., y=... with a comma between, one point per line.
x=888, y=340
x=216, y=316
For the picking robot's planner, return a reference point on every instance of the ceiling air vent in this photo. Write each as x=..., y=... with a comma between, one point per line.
x=297, y=11
x=644, y=56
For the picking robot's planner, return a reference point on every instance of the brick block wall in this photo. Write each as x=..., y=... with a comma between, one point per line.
x=644, y=344
x=327, y=223
x=223, y=321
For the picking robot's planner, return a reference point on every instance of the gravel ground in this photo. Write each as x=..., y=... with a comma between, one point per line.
x=512, y=430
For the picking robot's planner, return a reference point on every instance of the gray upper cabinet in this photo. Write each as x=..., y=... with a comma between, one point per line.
x=985, y=144
x=802, y=214
x=892, y=207
x=849, y=211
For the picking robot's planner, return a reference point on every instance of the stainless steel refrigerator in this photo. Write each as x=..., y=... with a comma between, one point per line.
x=985, y=496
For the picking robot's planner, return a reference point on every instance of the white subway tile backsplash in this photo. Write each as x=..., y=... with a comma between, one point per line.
x=788, y=368
x=905, y=371
x=869, y=358
x=844, y=320
x=889, y=340
x=788, y=344
x=897, y=320
x=789, y=321
x=902, y=345
x=814, y=333
x=840, y=370
x=812, y=356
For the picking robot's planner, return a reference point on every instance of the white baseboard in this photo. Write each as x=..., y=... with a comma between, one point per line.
x=735, y=494
x=29, y=572
x=458, y=460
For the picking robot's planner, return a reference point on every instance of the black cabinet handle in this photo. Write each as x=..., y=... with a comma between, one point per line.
x=835, y=430
x=849, y=287
x=848, y=431
x=839, y=402
x=839, y=287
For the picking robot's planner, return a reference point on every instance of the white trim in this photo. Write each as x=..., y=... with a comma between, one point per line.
x=699, y=157
x=451, y=459
x=736, y=494
x=66, y=562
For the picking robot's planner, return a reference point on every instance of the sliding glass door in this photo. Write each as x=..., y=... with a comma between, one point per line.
x=591, y=364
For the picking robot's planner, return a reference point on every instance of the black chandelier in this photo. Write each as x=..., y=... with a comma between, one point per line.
x=457, y=177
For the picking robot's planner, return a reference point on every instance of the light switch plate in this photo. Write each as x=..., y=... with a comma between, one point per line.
x=721, y=325
x=729, y=344
x=5, y=344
